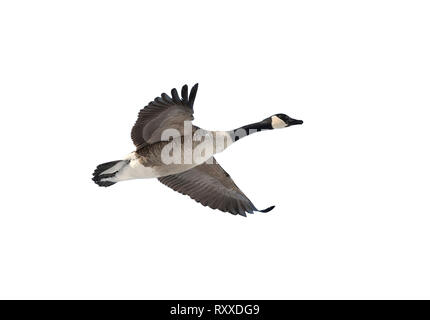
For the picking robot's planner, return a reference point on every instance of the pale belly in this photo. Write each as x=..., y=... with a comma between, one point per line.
x=201, y=152
x=135, y=170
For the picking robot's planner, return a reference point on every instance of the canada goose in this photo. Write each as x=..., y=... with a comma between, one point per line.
x=180, y=155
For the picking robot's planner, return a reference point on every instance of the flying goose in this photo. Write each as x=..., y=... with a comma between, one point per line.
x=181, y=155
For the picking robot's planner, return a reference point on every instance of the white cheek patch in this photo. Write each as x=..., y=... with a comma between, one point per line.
x=278, y=123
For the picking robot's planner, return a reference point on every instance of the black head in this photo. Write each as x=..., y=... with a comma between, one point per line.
x=281, y=120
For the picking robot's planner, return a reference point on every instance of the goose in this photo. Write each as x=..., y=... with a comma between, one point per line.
x=180, y=155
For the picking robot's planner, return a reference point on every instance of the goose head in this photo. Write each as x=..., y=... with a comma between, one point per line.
x=281, y=120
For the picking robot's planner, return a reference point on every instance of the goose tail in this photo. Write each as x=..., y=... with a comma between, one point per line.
x=104, y=174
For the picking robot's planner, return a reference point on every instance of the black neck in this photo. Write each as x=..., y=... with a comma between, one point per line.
x=244, y=131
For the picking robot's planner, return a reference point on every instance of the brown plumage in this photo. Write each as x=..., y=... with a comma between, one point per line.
x=203, y=179
x=161, y=114
x=212, y=186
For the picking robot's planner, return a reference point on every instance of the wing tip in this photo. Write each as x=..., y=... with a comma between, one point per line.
x=267, y=209
x=185, y=98
x=192, y=96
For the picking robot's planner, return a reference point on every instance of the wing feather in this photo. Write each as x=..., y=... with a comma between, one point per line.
x=212, y=186
x=163, y=113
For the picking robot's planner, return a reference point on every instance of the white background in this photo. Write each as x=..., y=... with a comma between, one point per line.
x=351, y=186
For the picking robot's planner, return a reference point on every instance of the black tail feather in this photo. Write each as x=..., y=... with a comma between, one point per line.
x=98, y=176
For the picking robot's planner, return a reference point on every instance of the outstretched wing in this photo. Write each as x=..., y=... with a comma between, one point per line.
x=163, y=113
x=210, y=185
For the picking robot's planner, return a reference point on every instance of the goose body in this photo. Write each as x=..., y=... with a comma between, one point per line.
x=181, y=155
